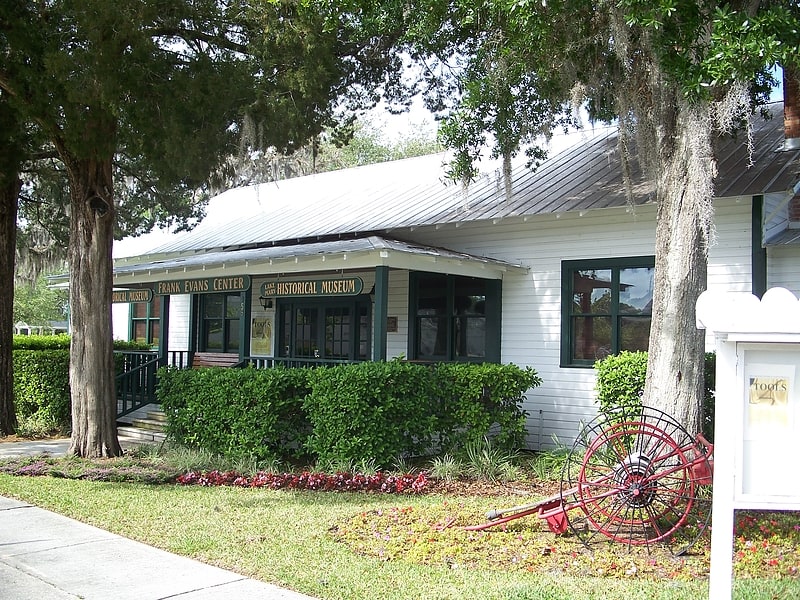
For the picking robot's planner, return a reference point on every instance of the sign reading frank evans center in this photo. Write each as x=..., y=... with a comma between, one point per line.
x=340, y=286
x=210, y=285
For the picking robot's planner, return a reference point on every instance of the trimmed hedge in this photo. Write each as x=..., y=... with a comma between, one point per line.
x=372, y=411
x=41, y=382
x=240, y=413
x=479, y=399
x=620, y=383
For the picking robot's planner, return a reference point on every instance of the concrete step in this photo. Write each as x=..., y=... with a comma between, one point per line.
x=149, y=424
x=157, y=415
x=137, y=434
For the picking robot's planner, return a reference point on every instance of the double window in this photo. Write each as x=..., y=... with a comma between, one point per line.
x=454, y=318
x=606, y=308
x=220, y=322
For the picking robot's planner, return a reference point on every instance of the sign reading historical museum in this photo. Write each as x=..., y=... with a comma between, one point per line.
x=339, y=286
x=143, y=295
x=209, y=285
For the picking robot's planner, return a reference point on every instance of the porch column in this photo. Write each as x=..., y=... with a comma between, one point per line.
x=163, y=335
x=380, y=312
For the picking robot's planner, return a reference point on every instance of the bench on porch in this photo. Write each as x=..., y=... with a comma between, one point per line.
x=214, y=359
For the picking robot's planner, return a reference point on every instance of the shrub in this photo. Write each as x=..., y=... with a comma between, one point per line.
x=41, y=382
x=41, y=391
x=238, y=413
x=620, y=384
x=482, y=400
x=371, y=410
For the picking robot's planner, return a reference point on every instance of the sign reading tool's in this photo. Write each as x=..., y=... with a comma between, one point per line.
x=757, y=412
x=341, y=286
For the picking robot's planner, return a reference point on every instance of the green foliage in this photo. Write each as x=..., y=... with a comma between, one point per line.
x=367, y=416
x=479, y=400
x=41, y=390
x=238, y=413
x=484, y=460
x=620, y=384
x=372, y=410
x=38, y=304
x=620, y=380
x=41, y=342
x=41, y=382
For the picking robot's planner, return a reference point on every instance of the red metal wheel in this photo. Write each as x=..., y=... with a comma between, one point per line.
x=631, y=478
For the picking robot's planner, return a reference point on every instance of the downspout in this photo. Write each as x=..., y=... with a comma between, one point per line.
x=758, y=253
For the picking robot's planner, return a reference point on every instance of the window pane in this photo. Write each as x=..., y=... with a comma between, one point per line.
x=636, y=291
x=155, y=332
x=337, y=332
x=233, y=306
x=634, y=333
x=305, y=333
x=155, y=308
x=470, y=337
x=232, y=335
x=470, y=297
x=363, y=332
x=432, y=295
x=591, y=291
x=213, y=339
x=212, y=306
x=139, y=310
x=140, y=331
x=591, y=338
x=432, y=337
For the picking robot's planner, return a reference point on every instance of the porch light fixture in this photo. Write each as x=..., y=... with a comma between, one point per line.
x=265, y=302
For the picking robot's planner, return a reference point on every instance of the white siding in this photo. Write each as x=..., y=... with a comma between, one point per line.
x=783, y=268
x=178, y=322
x=531, y=328
x=120, y=320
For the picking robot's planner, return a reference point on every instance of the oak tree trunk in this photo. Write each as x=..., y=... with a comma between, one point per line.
x=91, y=368
x=10, y=185
x=674, y=381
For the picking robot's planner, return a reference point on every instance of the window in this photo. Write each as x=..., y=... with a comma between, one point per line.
x=146, y=322
x=220, y=323
x=454, y=318
x=606, y=308
x=325, y=330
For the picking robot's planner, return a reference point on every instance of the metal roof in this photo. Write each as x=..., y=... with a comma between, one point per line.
x=380, y=198
x=341, y=255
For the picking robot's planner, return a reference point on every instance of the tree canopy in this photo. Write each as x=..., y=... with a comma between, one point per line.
x=672, y=73
x=139, y=101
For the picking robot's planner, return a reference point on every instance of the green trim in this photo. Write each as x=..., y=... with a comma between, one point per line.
x=163, y=338
x=758, y=254
x=244, y=329
x=568, y=267
x=381, y=311
x=493, y=315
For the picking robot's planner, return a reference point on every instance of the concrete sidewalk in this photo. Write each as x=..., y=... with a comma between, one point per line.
x=46, y=555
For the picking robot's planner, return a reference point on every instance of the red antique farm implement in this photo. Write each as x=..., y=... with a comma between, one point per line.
x=634, y=477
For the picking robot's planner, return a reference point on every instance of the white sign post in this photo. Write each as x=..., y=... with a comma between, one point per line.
x=757, y=413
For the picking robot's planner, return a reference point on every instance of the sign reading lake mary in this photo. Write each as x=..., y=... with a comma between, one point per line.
x=342, y=286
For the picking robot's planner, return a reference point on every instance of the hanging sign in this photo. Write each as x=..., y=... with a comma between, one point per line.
x=339, y=286
x=143, y=295
x=209, y=285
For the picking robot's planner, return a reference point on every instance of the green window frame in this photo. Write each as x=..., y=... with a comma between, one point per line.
x=454, y=318
x=145, y=322
x=221, y=322
x=606, y=307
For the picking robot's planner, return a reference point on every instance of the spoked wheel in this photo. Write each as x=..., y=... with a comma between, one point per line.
x=634, y=477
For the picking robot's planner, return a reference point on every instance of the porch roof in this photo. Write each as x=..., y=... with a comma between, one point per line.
x=337, y=255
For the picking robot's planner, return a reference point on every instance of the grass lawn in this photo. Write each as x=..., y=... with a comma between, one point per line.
x=341, y=545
